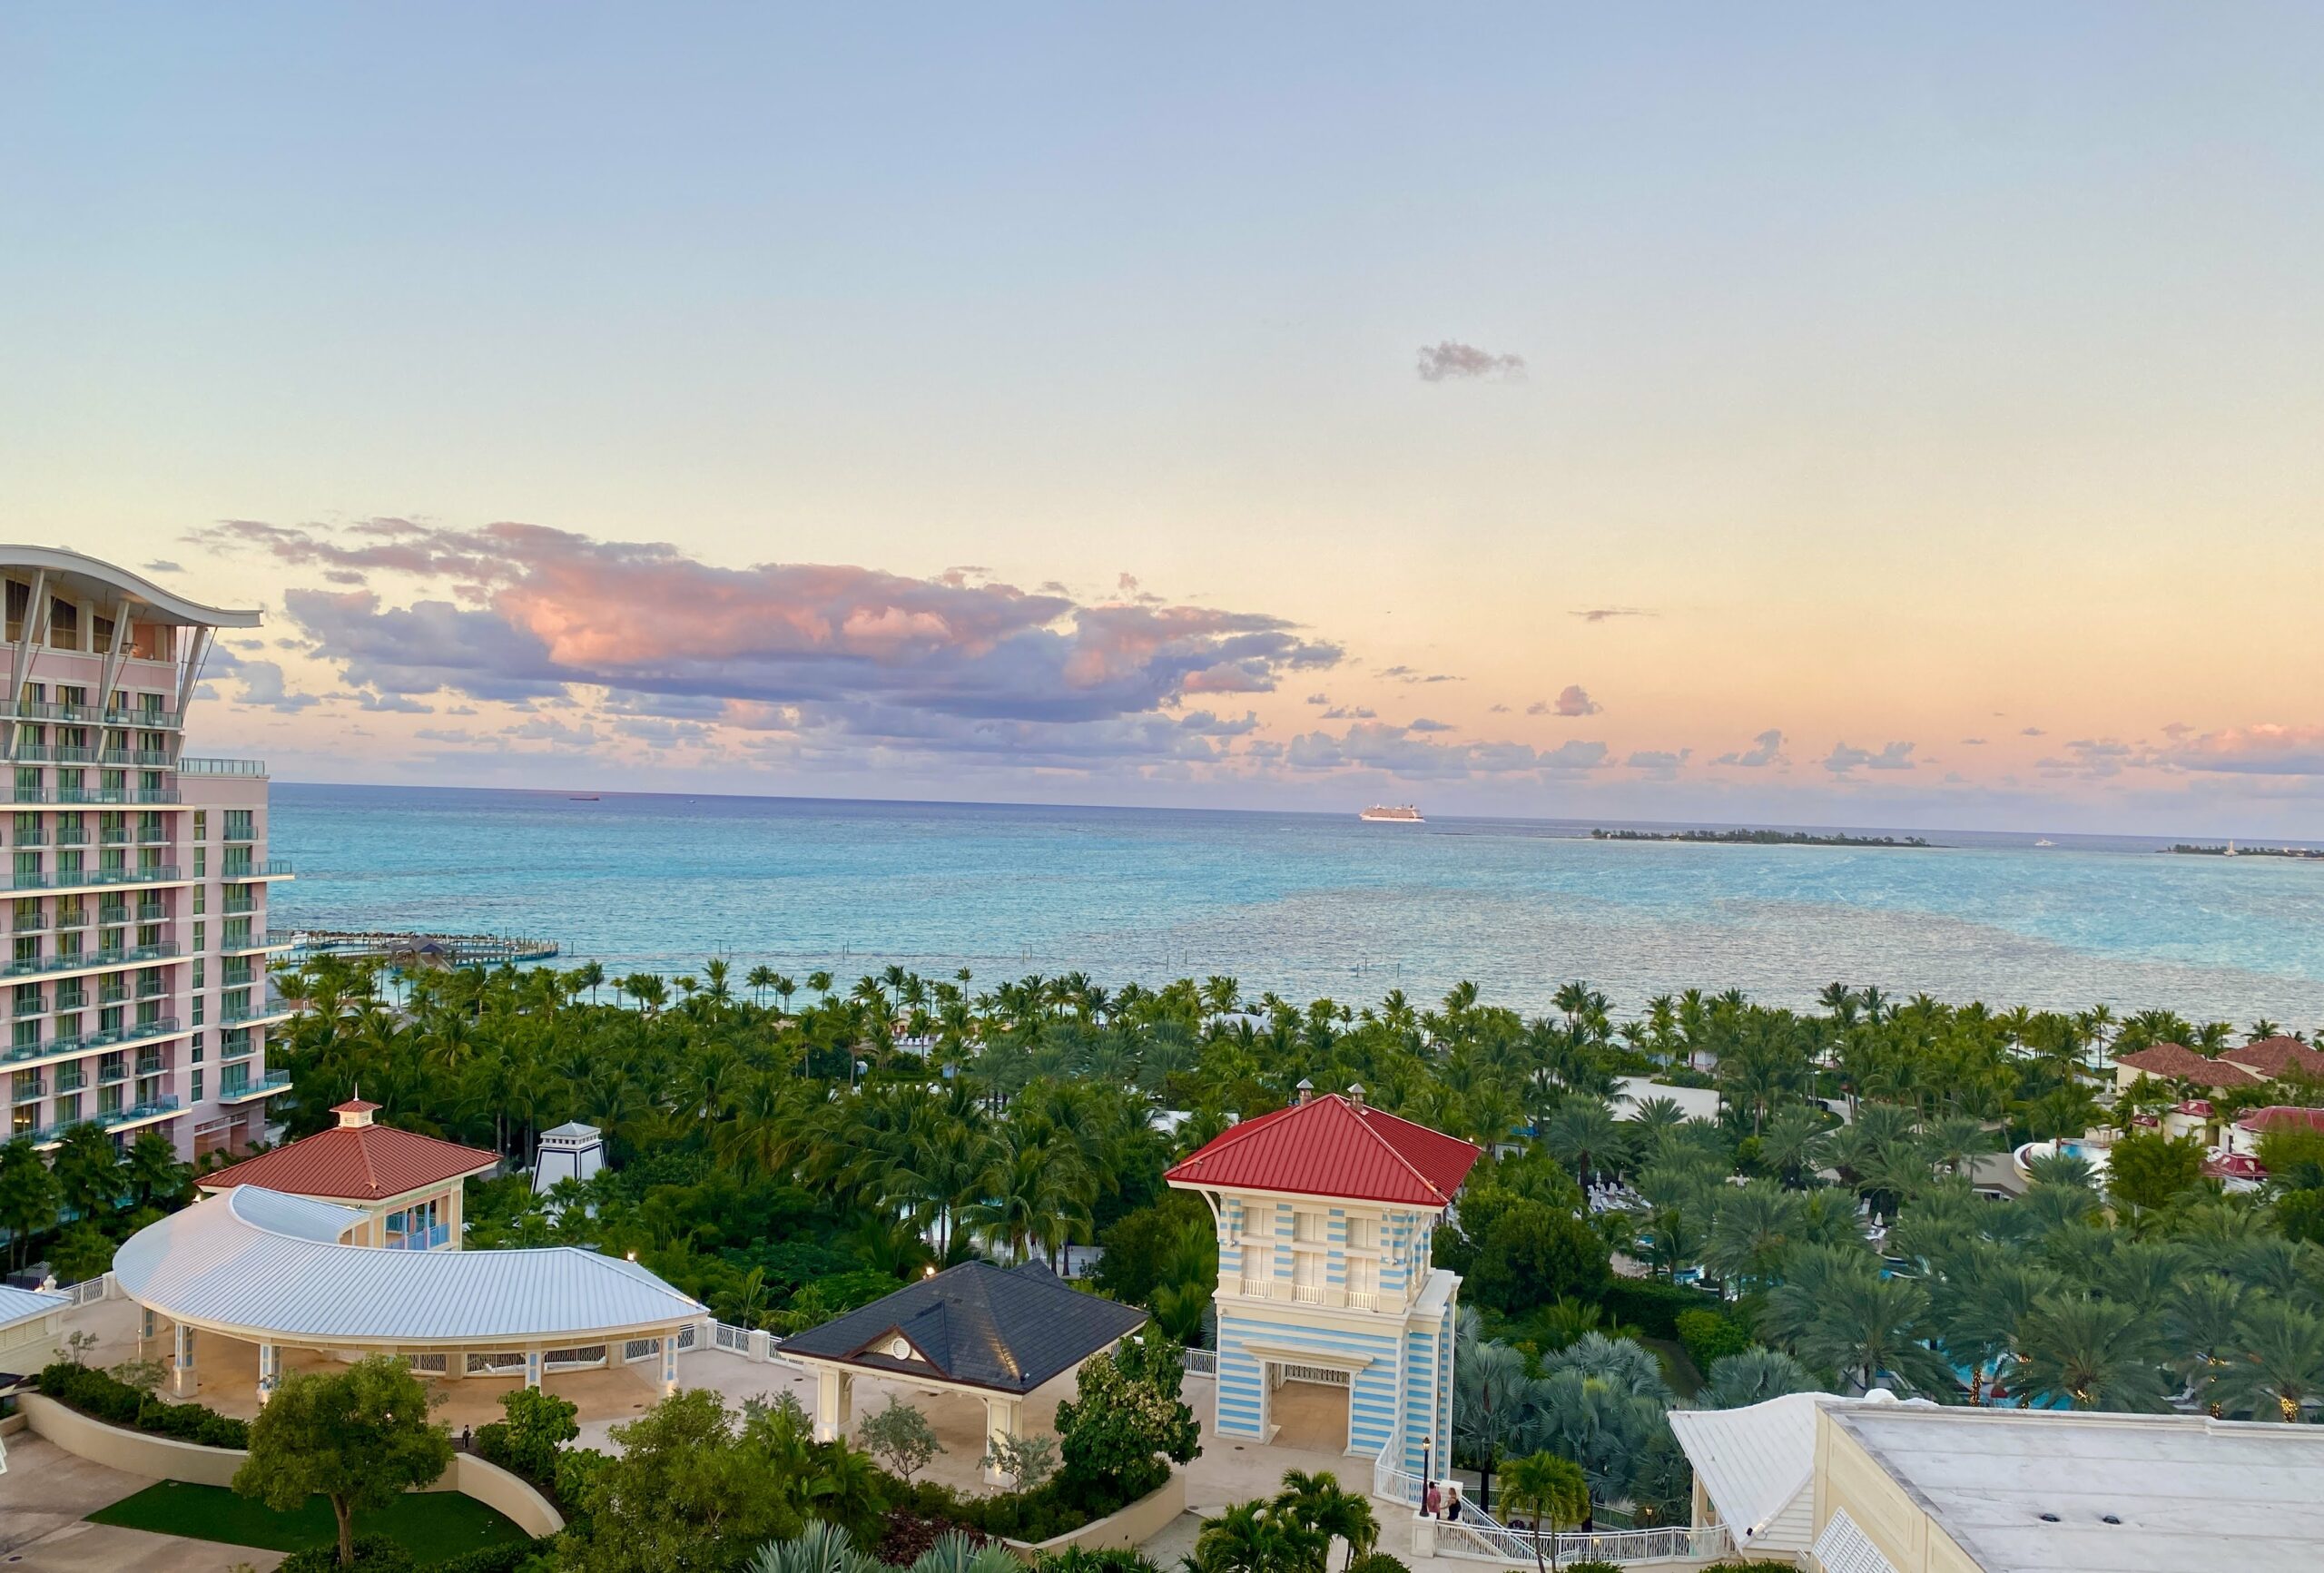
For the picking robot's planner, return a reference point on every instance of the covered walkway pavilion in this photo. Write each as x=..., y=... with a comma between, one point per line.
x=995, y=1335
x=252, y=1282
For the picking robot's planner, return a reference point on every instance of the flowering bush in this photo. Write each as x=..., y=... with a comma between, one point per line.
x=1125, y=1426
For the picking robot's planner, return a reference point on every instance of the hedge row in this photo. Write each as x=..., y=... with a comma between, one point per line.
x=1654, y=1308
x=106, y=1398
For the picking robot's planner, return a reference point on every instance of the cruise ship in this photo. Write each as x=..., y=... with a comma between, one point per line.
x=1399, y=813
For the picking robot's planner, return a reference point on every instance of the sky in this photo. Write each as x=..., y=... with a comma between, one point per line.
x=1814, y=414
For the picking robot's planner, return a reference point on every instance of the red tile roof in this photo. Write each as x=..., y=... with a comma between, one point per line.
x=1334, y=1147
x=2275, y=1057
x=355, y=1163
x=2277, y=1116
x=2177, y=1062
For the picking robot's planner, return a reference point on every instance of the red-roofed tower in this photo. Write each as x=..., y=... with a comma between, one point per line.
x=1325, y=1211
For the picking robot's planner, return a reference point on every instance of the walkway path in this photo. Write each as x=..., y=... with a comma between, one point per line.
x=46, y=1495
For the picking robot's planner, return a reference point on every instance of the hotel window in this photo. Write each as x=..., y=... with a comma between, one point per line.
x=200, y=905
x=238, y=824
x=1363, y=1233
x=68, y=1109
x=196, y=1050
x=1307, y=1274
x=28, y=870
x=195, y=1087
x=102, y=626
x=1307, y=1228
x=25, y=1118
x=109, y=1100
x=148, y=935
x=28, y=1034
x=27, y=950
x=201, y=863
x=1363, y=1276
x=202, y=824
x=28, y=783
x=197, y=972
x=20, y=601
x=197, y=936
x=71, y=694
x=28, y=1001
x=64, y=625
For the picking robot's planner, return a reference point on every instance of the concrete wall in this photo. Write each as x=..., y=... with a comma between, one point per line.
x=168, y=1459
x=1847, y=1479
x=1125, y=1531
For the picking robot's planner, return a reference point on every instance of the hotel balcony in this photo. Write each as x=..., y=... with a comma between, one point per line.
x=144, y=1113
x=222, y=767
x=88, y=797
x=89, y=1042
x=87, y=961
x=266, y=1086
x=254, y=945
x=275, y=1007
x=154, y=720
x=73, y=881
x=254, y=869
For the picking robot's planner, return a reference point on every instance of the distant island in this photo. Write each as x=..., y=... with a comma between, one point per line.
x=1763, y=838
x=2231, y=851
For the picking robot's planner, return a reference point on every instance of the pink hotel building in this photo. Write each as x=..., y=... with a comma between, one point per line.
x=138, y=877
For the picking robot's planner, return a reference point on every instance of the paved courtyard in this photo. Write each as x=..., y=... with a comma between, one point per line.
x=46, y=1495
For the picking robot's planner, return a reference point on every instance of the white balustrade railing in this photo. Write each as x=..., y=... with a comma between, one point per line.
x=1199, y=1362
x=1484, y=1541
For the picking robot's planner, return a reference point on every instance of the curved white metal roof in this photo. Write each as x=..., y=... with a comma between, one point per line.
x=255, y=1263
x=156, y=604
x=18, y=1306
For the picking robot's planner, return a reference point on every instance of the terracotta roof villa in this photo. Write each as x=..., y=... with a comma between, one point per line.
x=990, y=1333
x=1333, y=1146
x=2177, y=1062
x=2275, y=1057
x=350, y=1240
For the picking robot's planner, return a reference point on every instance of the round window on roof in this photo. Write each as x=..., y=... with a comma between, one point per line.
x=899, y=1349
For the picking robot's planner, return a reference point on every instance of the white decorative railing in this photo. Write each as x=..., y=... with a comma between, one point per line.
x=1307, y=1293
x=686, y=1336
x=1483, y=1541
x=727, y=1337
x=1391, y=1482
x=1328, y=1375
x=1364, y=1298
x=1199, y=1362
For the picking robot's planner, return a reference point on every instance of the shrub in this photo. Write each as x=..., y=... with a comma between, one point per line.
x=1710, y=1336
x=1381, y=1562
x=526, y=1443
x=1595, y=1565
x=105, y=1397
x=1075, y=1559
x=506, y=1558
x=373, y=1554
x=1653, y=1308
x=1125, y=1426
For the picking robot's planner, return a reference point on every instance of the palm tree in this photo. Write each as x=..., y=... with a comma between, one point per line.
x=28, y=1195
x=2275, y=1367
x=1554, y=1489
x=1756, y=1226
x=1754, y=1376
x=2091, y=1353
x=1317, y=1502
x=1489, y=1393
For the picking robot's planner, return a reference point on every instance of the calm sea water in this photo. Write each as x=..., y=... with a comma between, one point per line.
x=1306, y=904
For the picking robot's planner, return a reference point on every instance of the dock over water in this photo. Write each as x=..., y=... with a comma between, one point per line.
x=400, y=949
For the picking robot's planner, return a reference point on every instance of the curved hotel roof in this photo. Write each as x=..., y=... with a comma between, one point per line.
x=256, y=1264
x=103, y=581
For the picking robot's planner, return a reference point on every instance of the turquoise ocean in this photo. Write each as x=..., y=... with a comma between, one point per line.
x=1306, y=904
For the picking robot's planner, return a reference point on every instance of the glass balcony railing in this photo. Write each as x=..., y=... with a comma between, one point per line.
x=222, y=767
x=78, y=879
x=87, y=714
x=107, y=1120
x=272, y=1005
x=90, y=959
x=272, y=1083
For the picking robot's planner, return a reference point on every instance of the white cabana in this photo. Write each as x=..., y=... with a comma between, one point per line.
x=272, y=1270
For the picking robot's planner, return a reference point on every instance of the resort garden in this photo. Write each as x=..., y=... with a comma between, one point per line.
x=786, y=1153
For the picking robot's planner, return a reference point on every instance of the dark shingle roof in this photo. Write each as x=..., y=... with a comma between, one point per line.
x=1006, y=1329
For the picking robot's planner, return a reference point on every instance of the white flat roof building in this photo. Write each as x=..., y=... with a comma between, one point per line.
x=1909, y=1487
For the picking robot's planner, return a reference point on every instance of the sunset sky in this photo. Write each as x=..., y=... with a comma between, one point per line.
x=1805, y=414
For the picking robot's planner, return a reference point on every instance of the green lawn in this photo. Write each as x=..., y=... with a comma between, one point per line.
x=432, y=1526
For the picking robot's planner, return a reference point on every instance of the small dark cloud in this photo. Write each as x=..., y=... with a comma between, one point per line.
x=1607, y=613
x=2032, y=732
x=1972, y=743
x=1659, y=761
x=163, y=566
x=2176, y=730
x=1351, y=713
x=1765, y=748
x=1424, y=724
x=1497, y=710
x=1843, y=759
x=1450, y=360
x=1319, y=699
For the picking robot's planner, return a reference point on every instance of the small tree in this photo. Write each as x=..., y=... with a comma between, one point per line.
x=1553, y=1490
x=538, y=1425
x=900, y=1438
x=2148, y=1169
x=1125, y=1426
x=1026, y=1460
x=359, y=1437
x=146, y=1376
